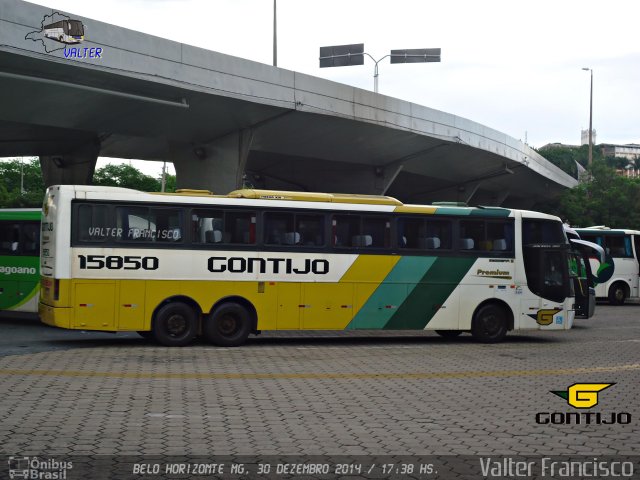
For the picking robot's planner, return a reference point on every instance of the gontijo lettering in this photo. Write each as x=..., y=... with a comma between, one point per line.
x=270, y=265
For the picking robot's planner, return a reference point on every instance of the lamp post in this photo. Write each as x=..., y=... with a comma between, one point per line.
x=275, y=35
x=348, y=55
x=590, y=116
x=21, y=177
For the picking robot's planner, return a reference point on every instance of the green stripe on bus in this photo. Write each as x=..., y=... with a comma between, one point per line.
x=391, y=293
x=21, y=215
x=460, y=212
x=19, y=280
x=430, y=293
x=27, y=297
x=491, y=212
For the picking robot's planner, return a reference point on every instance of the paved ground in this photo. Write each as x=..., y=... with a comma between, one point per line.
x=71, y=393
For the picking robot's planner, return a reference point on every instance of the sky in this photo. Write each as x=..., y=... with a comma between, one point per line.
x=512, y=65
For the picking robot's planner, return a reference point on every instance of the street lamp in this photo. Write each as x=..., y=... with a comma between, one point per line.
x=347, y=55
x=275, y=36
x=590, y=116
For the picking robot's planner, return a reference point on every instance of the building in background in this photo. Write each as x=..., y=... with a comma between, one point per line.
x=584, y=135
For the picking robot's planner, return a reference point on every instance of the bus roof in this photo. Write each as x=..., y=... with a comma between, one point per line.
x=604, y=230
x=314, y=197
x=266, y=198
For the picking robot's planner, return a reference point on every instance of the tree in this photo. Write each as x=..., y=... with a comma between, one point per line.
x=565, y=157
x=125, y=176
x=561, y=157
x=605, y=199
x=14, y=173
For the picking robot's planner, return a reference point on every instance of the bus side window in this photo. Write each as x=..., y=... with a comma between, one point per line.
x=409, y=232
x=378, y=229
x=30, y=239
x=346, y=229
x=93, y=223
x=500, y=236
x=311, y=229
x=619, y=246
x=440, y=233
x=134, y=224
x=239, y=228
x=168, y=223
x=9, y=238
x=472, y=235
x=206, y=226
x=278, y=229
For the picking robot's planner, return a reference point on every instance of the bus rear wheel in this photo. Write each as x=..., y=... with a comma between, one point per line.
x=228, y=325
x=448, y=333
x=617, y=293
x=490, y=324
x=175, y=325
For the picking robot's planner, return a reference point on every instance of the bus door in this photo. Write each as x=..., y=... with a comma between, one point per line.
x=585, y=280
x=549, y=281
x=636, y=247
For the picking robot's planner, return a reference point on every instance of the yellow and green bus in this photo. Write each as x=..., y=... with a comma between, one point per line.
x=178, y=266
x=19, y=259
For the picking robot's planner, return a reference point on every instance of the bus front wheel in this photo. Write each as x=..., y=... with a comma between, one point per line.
x=490, y=324
x=228, y=325
x=617, y=293
x=175, y=325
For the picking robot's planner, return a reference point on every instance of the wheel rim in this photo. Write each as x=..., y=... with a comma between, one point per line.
x=619, y=294
x=491, y=324
x=177, y=325
x=228, y=324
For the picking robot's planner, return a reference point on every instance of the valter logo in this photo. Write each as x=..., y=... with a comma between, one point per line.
x=38, y=469
x=58, y=32
x=582, y=396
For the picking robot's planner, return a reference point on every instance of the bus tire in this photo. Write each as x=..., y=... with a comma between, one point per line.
x=448, y=333
x=175, y=325
x=617, y=293
x=228, y=325
x=490, y=324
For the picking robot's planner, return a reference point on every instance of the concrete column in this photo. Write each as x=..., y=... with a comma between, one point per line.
x=74, y=168
x=217, y=166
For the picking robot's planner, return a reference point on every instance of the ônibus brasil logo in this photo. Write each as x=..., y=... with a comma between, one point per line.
x=582, y=396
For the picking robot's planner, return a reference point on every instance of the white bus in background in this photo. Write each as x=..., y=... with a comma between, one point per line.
x=618, y=278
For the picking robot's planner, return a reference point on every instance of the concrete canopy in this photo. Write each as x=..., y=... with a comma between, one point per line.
x=223, y=120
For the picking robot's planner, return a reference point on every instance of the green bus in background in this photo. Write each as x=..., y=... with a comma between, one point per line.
x=20, y=259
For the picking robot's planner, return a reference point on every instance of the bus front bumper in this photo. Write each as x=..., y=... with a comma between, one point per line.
x=54, y=316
